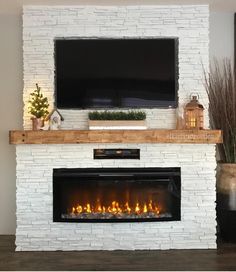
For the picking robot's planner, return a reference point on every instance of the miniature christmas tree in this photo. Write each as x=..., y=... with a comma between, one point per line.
x=38, y=104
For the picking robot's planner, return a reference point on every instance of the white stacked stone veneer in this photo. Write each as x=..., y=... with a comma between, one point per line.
x=43, y=24
x=35, y=227
x=37, y=231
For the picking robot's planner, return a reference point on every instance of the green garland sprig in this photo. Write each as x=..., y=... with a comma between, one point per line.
x=117, y=115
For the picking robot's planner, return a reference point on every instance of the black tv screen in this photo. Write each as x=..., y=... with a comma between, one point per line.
x=116, y=73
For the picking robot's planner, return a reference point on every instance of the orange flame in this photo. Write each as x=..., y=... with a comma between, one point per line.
x=87, y=208
x=127, y=208
x=79, y=209
x=116, y=208
x=137, y=209
x=99, y=208
x=145, y=208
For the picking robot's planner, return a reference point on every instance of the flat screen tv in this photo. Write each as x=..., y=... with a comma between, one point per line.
x=116, y=73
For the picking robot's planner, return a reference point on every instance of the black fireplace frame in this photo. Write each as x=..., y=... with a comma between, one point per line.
x=173, y=175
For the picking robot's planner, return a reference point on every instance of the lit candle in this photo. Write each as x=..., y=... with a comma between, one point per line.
x=192, y=122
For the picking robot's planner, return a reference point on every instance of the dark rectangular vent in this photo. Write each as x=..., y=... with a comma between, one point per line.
x=101, y=154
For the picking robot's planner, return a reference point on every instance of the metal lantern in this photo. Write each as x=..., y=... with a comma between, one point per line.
x=193, y=114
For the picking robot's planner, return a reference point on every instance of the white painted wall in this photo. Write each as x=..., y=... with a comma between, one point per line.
x=11, y=77
x=10, y=114
x=222, y=35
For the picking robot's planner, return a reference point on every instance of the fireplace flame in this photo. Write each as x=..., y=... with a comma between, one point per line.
x=87, y=208
x=117, y=208
x=137, y=209
x=79, y=209
x=127, y=208
x=145, y=208
x=99, y=208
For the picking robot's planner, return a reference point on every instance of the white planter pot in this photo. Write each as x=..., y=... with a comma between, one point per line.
x=117, y=124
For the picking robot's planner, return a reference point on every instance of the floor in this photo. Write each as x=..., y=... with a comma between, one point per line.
x=222, y=259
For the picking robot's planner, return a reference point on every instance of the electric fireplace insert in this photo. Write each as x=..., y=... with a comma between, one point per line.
x=116, y=194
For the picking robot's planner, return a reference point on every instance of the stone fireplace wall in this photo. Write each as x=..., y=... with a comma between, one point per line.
x=35, y=227
x=37, y=231
x=42, y=24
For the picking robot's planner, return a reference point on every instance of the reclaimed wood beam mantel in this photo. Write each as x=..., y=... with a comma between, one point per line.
x=115, y=136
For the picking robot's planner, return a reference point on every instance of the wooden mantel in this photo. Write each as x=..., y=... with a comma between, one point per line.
x=115, y=136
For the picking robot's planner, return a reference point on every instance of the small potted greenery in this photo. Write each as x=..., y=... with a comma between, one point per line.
x=38, y=108
x=117, y=120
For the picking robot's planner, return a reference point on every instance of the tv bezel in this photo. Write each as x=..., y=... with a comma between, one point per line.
x=172, y=104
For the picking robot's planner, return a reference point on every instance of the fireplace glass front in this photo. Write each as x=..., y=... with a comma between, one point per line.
x=116, y=194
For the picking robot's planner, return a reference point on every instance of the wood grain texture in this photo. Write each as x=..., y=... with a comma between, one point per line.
x=115, y=136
